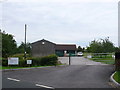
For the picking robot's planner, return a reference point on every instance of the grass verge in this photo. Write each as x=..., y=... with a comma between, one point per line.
x=117, y=76
x=12, y=67
x=104, y=60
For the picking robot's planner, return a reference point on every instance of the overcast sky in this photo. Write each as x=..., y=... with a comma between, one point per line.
x=61, y=21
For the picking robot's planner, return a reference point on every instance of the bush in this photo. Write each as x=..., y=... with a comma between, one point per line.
x=22, y=63
x=4, y=62
x=49, y=60
x=36, y=61
x=46, y=60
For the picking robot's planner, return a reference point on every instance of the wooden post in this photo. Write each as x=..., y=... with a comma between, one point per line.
x=117, y=64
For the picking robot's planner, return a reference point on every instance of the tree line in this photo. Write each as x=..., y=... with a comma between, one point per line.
x=100, y=46
x=9, y=46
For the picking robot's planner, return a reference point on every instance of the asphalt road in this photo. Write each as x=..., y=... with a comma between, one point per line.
x=74, y=76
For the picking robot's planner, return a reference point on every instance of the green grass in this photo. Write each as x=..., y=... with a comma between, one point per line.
x=102, y=56
x=117, y=76
x=15, y=67
x=104, y=60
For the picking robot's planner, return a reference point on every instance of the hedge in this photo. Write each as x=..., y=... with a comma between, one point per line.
x=36, y=61
x=49, y=60
x=4, y=61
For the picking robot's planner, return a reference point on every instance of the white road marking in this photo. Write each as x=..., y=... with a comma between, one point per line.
x=44, y=86
x=13, y=79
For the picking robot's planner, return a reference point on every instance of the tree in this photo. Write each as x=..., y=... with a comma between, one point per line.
x=101, y=46
x=95, y=47
x=83, y=49
x=87, y=49
x=9, y=45
x=107, y=46
x=117, y=49
x=79, y=49
x=21, y=48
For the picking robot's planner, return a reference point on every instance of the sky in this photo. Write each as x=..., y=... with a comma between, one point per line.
x=61, y=21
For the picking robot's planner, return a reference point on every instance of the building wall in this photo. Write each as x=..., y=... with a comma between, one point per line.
x=40, y=49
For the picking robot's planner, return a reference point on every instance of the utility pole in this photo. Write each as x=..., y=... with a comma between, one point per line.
x=25, y=42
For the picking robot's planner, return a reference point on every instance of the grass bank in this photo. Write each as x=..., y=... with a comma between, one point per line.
x=117, y=76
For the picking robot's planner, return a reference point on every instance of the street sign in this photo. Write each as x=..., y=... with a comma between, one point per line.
x=29, y=61
x=13, y=61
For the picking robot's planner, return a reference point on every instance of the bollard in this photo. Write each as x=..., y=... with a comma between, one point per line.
x=117, y=64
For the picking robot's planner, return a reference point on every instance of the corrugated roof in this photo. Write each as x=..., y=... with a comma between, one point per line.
x=65, y=47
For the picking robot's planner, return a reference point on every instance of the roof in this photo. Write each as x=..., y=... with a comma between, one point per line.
x=43, y=40
x=65, y=47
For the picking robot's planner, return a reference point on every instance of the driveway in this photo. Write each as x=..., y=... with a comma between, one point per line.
x=78, y=61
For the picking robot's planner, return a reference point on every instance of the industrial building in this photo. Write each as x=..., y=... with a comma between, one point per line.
x=44, y=47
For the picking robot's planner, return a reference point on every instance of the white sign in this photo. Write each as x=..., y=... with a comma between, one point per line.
x=29, y=61
x=89, y=56
x=13, y=61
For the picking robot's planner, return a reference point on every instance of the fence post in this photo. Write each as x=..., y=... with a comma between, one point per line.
x=117, y=64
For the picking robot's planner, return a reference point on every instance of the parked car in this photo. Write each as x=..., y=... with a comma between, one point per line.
x=79, y=54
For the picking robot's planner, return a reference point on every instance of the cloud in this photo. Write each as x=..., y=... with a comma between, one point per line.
x=61, y=22
x=70, y=1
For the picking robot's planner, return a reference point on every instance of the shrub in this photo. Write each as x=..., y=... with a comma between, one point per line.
x=36, y=61
x=46, y=60
x=4, y=62
x=49, y=60
x=22, y=63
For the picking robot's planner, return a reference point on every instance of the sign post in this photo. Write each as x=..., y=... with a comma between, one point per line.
x=29, y=62
x=13, y=61
x=69, y=59
x=117, y=64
